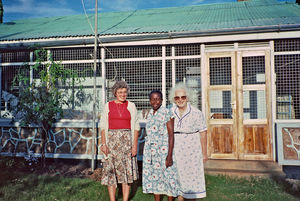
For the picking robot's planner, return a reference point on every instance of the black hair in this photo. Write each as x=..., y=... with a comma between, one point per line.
x=156, y=92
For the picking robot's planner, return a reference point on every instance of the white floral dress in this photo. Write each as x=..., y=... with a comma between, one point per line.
x=188, y=152
x=157, y=178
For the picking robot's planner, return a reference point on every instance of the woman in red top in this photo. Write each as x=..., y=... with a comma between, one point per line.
x=119, y=136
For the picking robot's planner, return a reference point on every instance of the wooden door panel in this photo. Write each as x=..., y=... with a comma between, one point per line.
x=256, y=139
x=222, y=139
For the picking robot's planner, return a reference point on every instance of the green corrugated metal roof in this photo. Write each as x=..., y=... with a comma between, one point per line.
x=255, y=13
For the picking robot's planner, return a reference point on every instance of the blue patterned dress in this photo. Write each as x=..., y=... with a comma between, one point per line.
x=157, y=178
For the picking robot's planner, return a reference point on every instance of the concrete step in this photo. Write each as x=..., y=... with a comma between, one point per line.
x=243, y=168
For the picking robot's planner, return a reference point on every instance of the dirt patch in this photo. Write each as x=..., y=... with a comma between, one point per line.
x=76, y=168
x=67, y=168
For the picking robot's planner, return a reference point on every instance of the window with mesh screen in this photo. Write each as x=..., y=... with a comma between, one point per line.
x=69, y=54
x=287, y=69
x=133, y=52
x=168, y=82
x=254, y=100
x=220, y=71
x=141, y=76
x=187, y=49
x=287, y=45
x=188, y=71
x=220, y=100
x=220, y=104
x=253, y=70
x=15, y=56
x=254, y=104
x=9, y=87
x=81, y=106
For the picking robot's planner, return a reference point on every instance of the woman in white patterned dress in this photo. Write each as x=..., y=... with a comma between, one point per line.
x=190, y=147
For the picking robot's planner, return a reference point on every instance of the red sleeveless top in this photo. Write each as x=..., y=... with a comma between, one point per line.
x=118, y=116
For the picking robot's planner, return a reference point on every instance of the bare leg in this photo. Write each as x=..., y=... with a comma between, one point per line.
x=170, y=198
x=112, y=192
x=156, y=197
x=126, y=191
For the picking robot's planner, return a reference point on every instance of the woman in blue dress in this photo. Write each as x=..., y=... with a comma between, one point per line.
x=160, y=175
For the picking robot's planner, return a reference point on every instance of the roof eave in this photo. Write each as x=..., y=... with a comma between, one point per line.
x=25, y=44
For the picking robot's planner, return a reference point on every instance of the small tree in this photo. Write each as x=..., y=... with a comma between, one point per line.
x=1, y=12
x=42, y=99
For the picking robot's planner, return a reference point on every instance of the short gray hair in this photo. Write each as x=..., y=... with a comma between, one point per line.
x=120, y=84
x=190, y=93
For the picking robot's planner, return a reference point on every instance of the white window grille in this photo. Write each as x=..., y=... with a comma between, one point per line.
x=81, y=107
x=15, y=56
x=141, y=76
x=254, y=100
x=133, y=52
x=254, y=70
x=220, y=71
x=73, y=54
x=186, y=50
x=220, y=107
x=141, y=66
x=188, y=71
x=220, y=100
x=9, y=90
x=287, y=45
x=287, y=69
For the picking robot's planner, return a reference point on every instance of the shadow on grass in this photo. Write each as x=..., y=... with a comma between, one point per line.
x=288, y=186
x=12, y=170
x=15, y=172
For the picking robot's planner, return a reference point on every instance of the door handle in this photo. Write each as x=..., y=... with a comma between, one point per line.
x=233, y=105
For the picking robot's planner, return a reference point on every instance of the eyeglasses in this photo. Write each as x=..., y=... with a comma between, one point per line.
x=121, y=92
x=176, y=98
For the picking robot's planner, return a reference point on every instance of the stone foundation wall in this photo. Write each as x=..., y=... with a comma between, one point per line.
x=63, y=142
x=60, y=140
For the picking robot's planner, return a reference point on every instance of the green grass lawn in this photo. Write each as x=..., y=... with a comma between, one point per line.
x=22, y=186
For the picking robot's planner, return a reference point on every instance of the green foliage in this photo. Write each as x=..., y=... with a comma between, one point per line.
x=1, y=12
x=42, y=99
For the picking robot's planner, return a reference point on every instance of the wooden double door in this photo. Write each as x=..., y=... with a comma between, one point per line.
x=239, y=105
